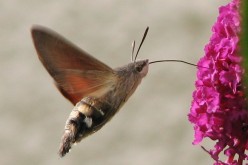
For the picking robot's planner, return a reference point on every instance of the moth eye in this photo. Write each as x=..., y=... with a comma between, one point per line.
x=139, y=68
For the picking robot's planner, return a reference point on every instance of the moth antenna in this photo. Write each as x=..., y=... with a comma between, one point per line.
x=144, y=36
x=133, y=46
x=185, y=62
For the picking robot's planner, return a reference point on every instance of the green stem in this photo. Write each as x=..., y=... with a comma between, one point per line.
x=244, y=41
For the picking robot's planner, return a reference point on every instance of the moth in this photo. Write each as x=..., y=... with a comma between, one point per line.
x=96, y=90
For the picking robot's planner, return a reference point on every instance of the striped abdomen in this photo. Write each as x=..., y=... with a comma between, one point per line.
x=88, y=116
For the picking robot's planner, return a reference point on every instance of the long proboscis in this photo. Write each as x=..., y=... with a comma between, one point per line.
x=181, y=61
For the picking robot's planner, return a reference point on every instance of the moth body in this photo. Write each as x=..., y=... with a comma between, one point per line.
x=91, y=113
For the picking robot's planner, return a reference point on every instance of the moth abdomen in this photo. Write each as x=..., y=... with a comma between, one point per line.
x=74, y=129
x=81, y=122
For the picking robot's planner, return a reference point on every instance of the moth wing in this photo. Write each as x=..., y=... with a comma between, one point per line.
x=76, y=73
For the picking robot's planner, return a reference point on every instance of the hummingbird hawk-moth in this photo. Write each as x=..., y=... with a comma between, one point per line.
x=96, y=90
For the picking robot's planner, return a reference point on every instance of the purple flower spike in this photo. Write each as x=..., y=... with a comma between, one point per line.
x=219, y=110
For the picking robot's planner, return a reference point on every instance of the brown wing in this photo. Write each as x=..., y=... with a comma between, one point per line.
x=76, y=73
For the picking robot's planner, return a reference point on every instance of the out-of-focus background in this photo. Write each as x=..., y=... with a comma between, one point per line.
x=152, y=128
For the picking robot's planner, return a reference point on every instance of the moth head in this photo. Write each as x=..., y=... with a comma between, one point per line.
x=141, y=67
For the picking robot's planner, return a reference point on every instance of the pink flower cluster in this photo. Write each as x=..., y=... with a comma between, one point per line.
x=219, y=110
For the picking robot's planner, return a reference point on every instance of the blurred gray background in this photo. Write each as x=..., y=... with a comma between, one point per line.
x=152, y=128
